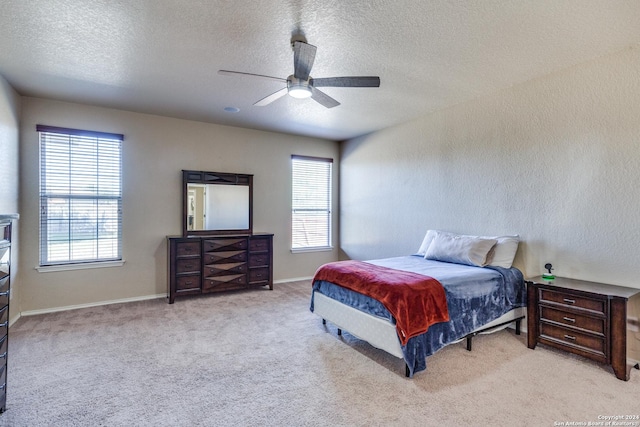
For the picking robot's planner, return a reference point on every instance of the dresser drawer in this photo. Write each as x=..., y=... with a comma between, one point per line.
x=4, y=321
x=225, y=257
x=3, y=350
x=594, y=346
x=571, y=300
x=4, y=291
x=258, y=260
x=189, y=265
x=4, y=261
x=3, y=376
x=188, y=282
x=4, y=233
x=232, y=281
x=259, y=244
x=185, y=249
x=595, y=324
x=226, y=268
x=258, y=275
x=225, y=244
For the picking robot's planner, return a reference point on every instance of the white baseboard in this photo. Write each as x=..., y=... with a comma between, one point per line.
x=91, y=304
x=295, y=279
x=117, y=301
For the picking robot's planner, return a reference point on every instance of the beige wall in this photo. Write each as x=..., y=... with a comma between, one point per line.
x=155, y=151
x=556, y=159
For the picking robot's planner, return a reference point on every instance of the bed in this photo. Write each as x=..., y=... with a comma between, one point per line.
x=481, y=288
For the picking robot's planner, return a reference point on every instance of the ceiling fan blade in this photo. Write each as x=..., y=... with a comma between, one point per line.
x=324, y=99
x=269, y=99
x=238, y=73
x=355, y=81
x=303, y=56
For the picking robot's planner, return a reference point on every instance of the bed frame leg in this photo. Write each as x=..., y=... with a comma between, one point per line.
x=339, y=331
x=518, y=326
x=324, y=321
x=407, y=372
x=469, y=342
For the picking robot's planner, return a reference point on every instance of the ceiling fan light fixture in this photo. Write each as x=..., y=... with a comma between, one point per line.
x=298, y=88
x=300, y=92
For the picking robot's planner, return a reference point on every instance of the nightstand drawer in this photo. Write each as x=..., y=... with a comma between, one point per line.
x=571, y=300
x=595, y=345
x=589, y=323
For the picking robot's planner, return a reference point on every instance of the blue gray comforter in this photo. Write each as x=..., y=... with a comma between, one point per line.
x=475, y=297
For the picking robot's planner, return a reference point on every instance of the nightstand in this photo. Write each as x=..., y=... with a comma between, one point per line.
x=593, y=320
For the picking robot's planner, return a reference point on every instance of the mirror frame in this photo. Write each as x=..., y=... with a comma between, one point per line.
x=218, y=178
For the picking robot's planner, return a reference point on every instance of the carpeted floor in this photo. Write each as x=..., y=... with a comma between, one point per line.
x=260, y=358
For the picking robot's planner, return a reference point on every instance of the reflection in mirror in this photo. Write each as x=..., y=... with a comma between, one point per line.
x=215, y=202
x=217, y=207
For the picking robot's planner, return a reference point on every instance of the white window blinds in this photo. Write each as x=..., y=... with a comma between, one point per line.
x=80, y=196
x=311, y=203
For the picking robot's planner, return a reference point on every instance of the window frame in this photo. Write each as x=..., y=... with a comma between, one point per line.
x=328, y=210
x=46, y=261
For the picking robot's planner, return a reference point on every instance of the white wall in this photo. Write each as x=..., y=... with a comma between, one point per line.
x=9, y=122
x=556, y=160
x=155, y=150
x=9, y=186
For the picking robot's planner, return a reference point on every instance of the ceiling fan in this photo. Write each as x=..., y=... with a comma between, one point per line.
x=301, y=85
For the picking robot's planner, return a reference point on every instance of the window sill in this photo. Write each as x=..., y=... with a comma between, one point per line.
x=79, y=266
x=316, y=249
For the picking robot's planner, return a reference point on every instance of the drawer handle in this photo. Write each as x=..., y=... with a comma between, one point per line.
x=4, y=325
x=3, y=386
x=569, y=337
x=187, y=283
x=569, y=319
x=188, y=266
x=3, y=355
x=569, y=301
x=4, y=294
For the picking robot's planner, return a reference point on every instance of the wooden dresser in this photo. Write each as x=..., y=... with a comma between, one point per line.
x=5, y=289
x=594, y=320
x=215, y=263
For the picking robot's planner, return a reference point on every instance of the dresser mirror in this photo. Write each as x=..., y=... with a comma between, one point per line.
x=214, y=202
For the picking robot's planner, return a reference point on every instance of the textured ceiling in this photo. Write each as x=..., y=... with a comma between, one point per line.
x=162, y=56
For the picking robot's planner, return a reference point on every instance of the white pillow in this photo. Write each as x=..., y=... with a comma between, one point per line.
x=428, y=238
x=460, y=249
x=504, y=251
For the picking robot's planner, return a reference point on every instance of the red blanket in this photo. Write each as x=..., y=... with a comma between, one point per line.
x=415, y=301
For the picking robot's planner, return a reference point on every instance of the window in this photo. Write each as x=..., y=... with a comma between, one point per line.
x=80, y=196
x=311, y=203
